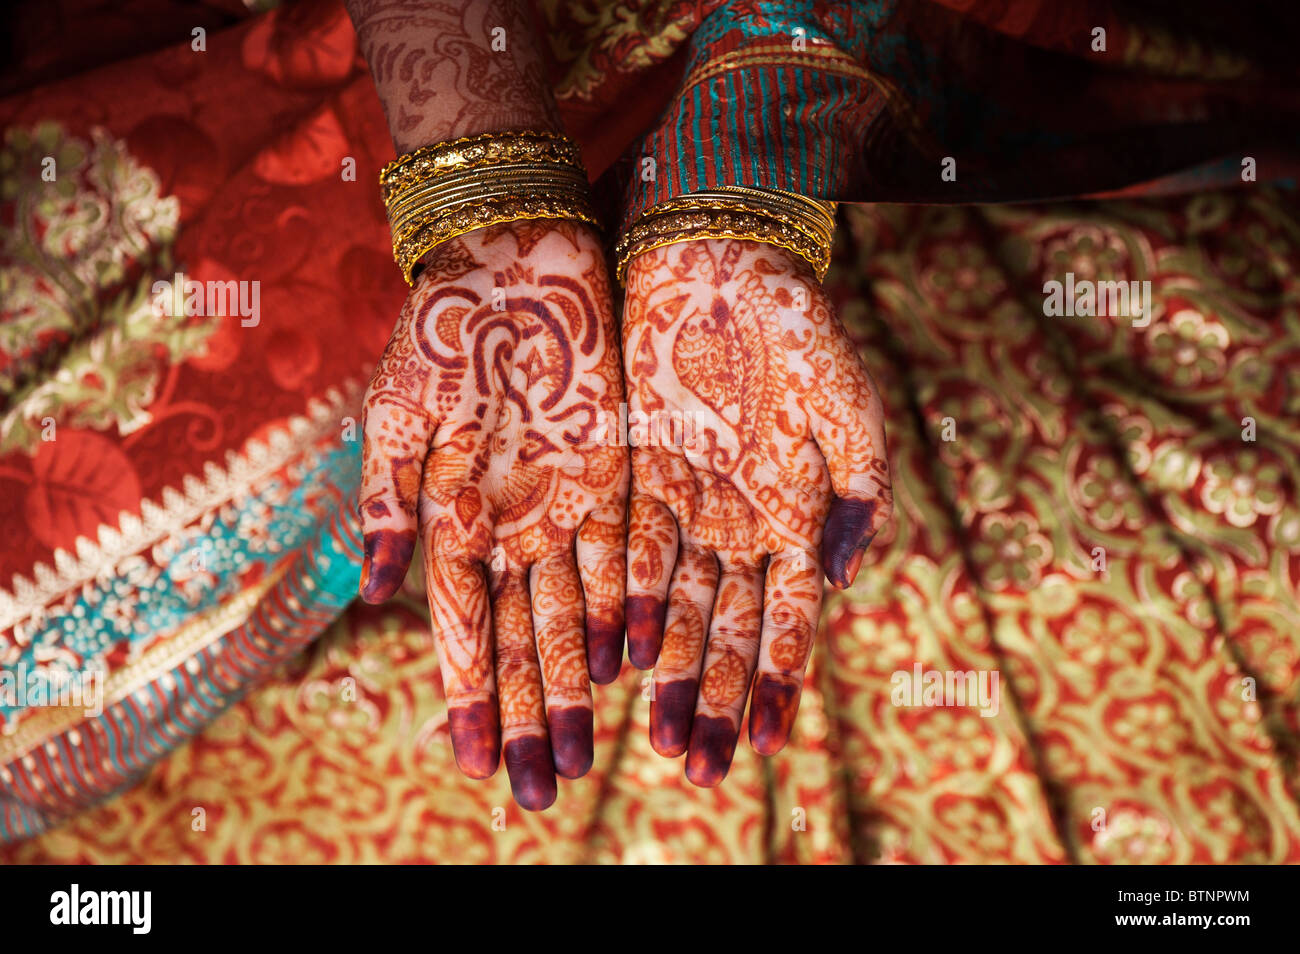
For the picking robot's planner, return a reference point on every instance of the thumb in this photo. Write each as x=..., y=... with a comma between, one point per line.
x=848, y=424
x=395, y=441
x=851, y=525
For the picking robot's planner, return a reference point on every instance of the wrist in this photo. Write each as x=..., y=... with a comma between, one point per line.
x=446, y=71
x=540, y=116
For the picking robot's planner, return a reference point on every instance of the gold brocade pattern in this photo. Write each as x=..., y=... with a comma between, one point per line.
x=1102, y=511
x=69, y=274
x=1155, y=49
x=827, y=58
x=591, y=38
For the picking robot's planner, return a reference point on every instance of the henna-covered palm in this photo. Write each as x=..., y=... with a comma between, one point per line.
x=758, y=459
x=485, y=429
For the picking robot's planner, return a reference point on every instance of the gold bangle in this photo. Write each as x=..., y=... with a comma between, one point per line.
x=814, y=220
x=438, y=196
x=493, y=211
x=439, y=192
x=408, y=226
x=787, y=220
x=446, y=188
x=475, y=152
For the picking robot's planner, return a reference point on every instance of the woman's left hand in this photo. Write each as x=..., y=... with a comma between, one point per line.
x=758, y=460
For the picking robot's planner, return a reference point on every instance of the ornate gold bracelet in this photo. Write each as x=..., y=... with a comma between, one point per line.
x=441, y=191
x=790, y=221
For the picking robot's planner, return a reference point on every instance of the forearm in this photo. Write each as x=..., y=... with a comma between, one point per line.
x=455, y=68
x=783, y=94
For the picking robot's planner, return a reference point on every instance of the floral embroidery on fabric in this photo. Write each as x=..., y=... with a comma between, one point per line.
x=76, y=272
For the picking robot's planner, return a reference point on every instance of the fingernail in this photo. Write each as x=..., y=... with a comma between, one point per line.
x=671, y=712
x=388, y=554
x=772, y=709
x=571, y=740
x=713, y=743
x=847, y=523
x=532, y=773
x=645, y=629
x=604, y=649
x=855, y=564
x=475, y=738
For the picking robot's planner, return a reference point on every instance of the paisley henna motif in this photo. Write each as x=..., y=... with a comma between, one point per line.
x=784, y=474
x=483, y=429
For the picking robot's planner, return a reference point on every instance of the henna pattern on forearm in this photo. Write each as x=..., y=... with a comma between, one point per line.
x=726, y=546
x=438, y=75
x=484, y=426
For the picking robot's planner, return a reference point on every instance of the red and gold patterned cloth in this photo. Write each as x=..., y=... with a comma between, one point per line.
x=1078, y=505
x=1125, y=732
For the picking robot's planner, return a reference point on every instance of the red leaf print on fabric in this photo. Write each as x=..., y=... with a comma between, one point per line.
x=303, y=45
x=312, y=151
x=80, y=482
x=223, y=346
x=292, y=358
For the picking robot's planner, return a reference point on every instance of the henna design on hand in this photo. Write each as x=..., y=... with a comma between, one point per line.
x=781, y=472
x=485, y=428
x=439, y=76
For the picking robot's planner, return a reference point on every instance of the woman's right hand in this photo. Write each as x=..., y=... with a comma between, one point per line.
x=485, y=429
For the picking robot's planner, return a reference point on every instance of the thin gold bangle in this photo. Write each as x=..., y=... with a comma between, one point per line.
x=423, y=221
x=444, y=194
x=494, y=211
x=787, y=220
x=473, y=152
